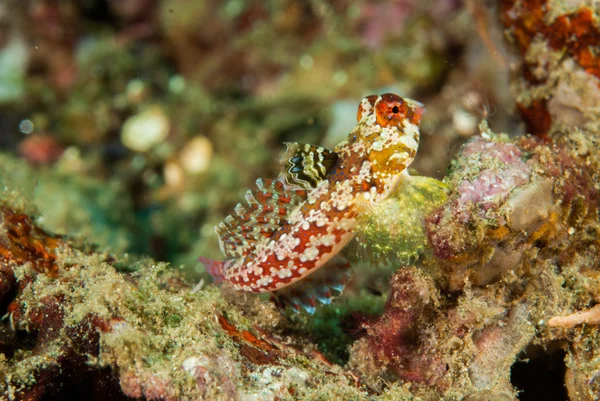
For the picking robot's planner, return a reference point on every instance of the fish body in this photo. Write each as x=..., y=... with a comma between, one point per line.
x=293, y=225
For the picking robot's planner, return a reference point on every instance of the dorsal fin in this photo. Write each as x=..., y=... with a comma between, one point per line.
x=267, y=209
x=304, y=166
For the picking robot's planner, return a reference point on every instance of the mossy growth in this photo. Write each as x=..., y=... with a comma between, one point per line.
x=393, y=229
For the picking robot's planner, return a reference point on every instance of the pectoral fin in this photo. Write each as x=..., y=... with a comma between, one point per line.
x=304, y=166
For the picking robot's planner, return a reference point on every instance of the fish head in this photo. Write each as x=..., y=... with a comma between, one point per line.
x=388, y=128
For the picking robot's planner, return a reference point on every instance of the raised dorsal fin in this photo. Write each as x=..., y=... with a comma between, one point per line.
x=304, y=166
x=267, y=209
x=320, y=287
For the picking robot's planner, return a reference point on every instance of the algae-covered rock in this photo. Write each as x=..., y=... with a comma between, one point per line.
x=394, y=229
x=146, y=334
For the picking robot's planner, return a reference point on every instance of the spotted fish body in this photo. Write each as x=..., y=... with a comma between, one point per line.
x=293, y=225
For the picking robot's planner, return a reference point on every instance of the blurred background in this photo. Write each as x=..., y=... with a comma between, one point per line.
x=135, y=126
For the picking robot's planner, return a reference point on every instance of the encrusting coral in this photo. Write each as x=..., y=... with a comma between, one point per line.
x=513, y=245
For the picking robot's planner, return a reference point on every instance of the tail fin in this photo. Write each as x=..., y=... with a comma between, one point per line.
x=214, y=268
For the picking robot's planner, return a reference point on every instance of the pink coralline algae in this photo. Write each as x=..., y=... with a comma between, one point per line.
x=507, y=171
x=395, y=342
x=508, y=198
x=485, y=174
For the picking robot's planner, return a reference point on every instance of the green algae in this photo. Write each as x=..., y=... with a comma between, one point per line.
x=394, y=229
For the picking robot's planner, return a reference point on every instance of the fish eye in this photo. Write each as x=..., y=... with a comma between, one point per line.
x=390, y=109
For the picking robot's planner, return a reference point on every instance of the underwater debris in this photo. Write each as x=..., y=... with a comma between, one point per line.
x=41, y=149
x=294, y=225
x=588, y=316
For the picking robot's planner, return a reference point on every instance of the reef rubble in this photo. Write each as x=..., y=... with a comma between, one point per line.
x=514, y=249
x=75, y=325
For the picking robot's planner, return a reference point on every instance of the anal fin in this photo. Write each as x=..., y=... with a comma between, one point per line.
x=320, y=287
